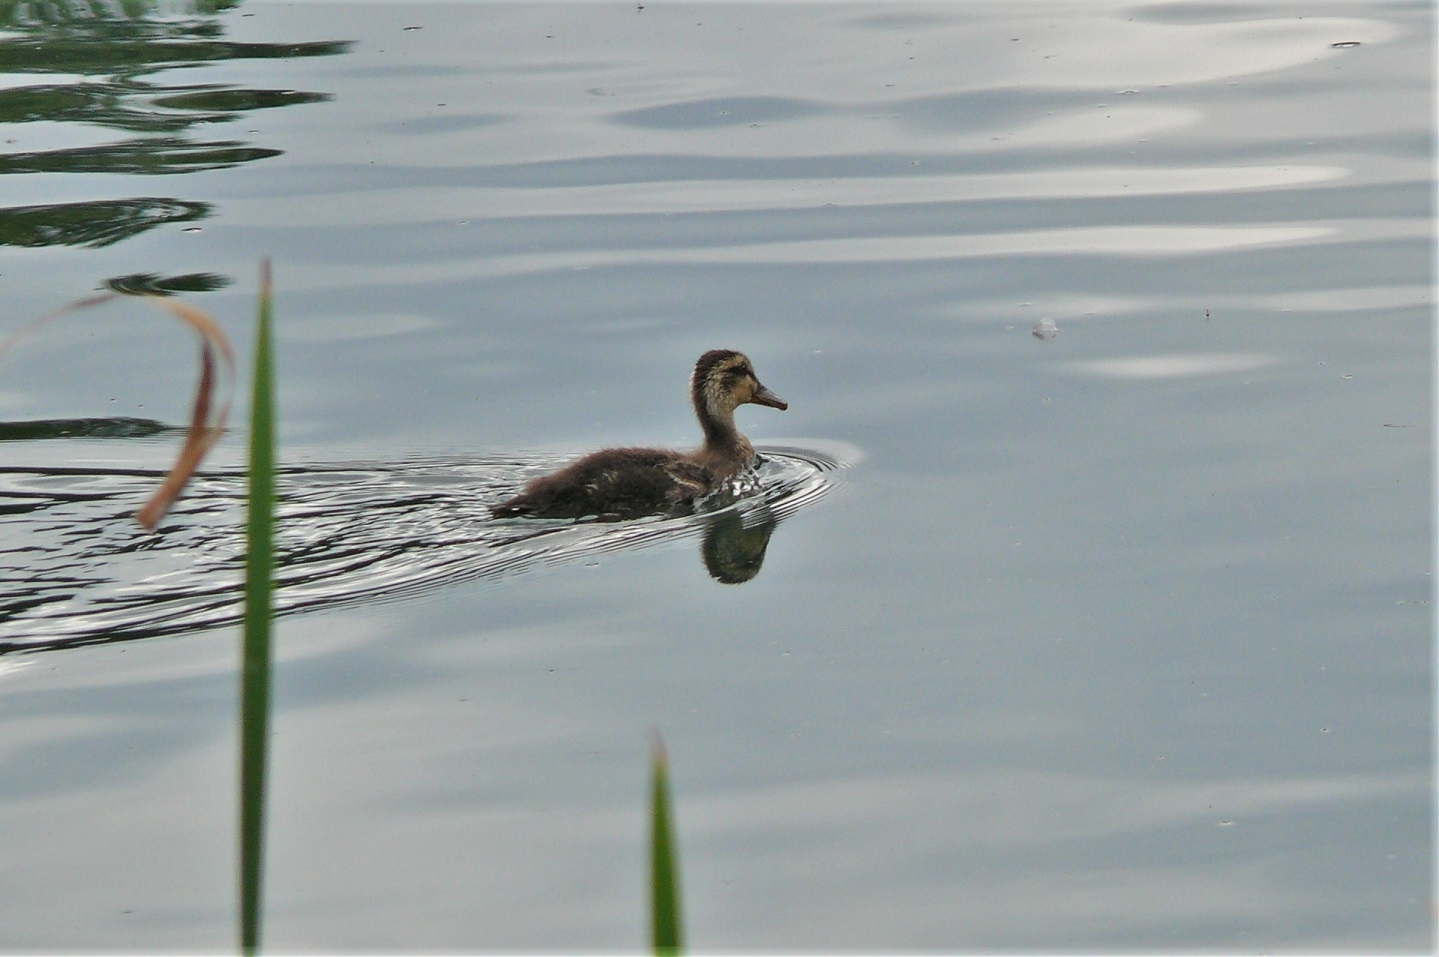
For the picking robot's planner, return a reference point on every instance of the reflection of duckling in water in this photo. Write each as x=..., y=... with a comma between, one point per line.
x=733, y=552
x=627, y=483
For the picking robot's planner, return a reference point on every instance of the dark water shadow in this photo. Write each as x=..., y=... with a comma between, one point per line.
x=151, y=284
x=111, y=55
x=76, y=570
x=115, y=427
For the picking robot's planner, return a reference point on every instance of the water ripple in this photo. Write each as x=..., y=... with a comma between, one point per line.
x=77, y=570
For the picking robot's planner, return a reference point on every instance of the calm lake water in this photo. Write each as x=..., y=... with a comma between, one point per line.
x=1086, y=603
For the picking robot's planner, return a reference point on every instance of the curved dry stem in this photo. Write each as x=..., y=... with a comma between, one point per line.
x=207, y=418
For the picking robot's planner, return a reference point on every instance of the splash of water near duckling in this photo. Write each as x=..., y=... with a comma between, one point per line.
x=76, y=570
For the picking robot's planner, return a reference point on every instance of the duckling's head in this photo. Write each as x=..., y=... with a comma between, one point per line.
x=723, y=380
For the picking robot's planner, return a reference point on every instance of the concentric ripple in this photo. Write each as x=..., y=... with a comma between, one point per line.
x=75, y=569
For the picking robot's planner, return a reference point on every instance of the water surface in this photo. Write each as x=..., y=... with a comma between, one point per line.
x=1115, y=633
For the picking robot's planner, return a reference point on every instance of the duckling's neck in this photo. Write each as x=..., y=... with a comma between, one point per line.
x=722, y=439
x=719, y=428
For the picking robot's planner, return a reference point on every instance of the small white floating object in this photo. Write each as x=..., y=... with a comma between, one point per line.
x=1044, y=330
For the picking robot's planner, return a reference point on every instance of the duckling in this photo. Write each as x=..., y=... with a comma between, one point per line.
x=630, y=482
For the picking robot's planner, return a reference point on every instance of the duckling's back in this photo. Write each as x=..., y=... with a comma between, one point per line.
x=615, y=483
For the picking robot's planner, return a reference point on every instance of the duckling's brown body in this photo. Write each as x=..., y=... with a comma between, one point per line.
x=627, y=483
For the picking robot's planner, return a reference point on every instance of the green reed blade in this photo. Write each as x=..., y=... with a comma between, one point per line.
x=255, y=668
x=665, y=911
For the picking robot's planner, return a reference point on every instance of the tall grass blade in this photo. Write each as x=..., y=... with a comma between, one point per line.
x=255, y=667
x=666, y=932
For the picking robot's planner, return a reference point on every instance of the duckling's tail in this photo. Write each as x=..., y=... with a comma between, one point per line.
x=516, y=506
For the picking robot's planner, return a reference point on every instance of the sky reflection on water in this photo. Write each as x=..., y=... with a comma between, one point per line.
x=1118, y=639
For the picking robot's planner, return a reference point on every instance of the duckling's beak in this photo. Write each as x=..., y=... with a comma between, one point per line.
x=763, y=396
